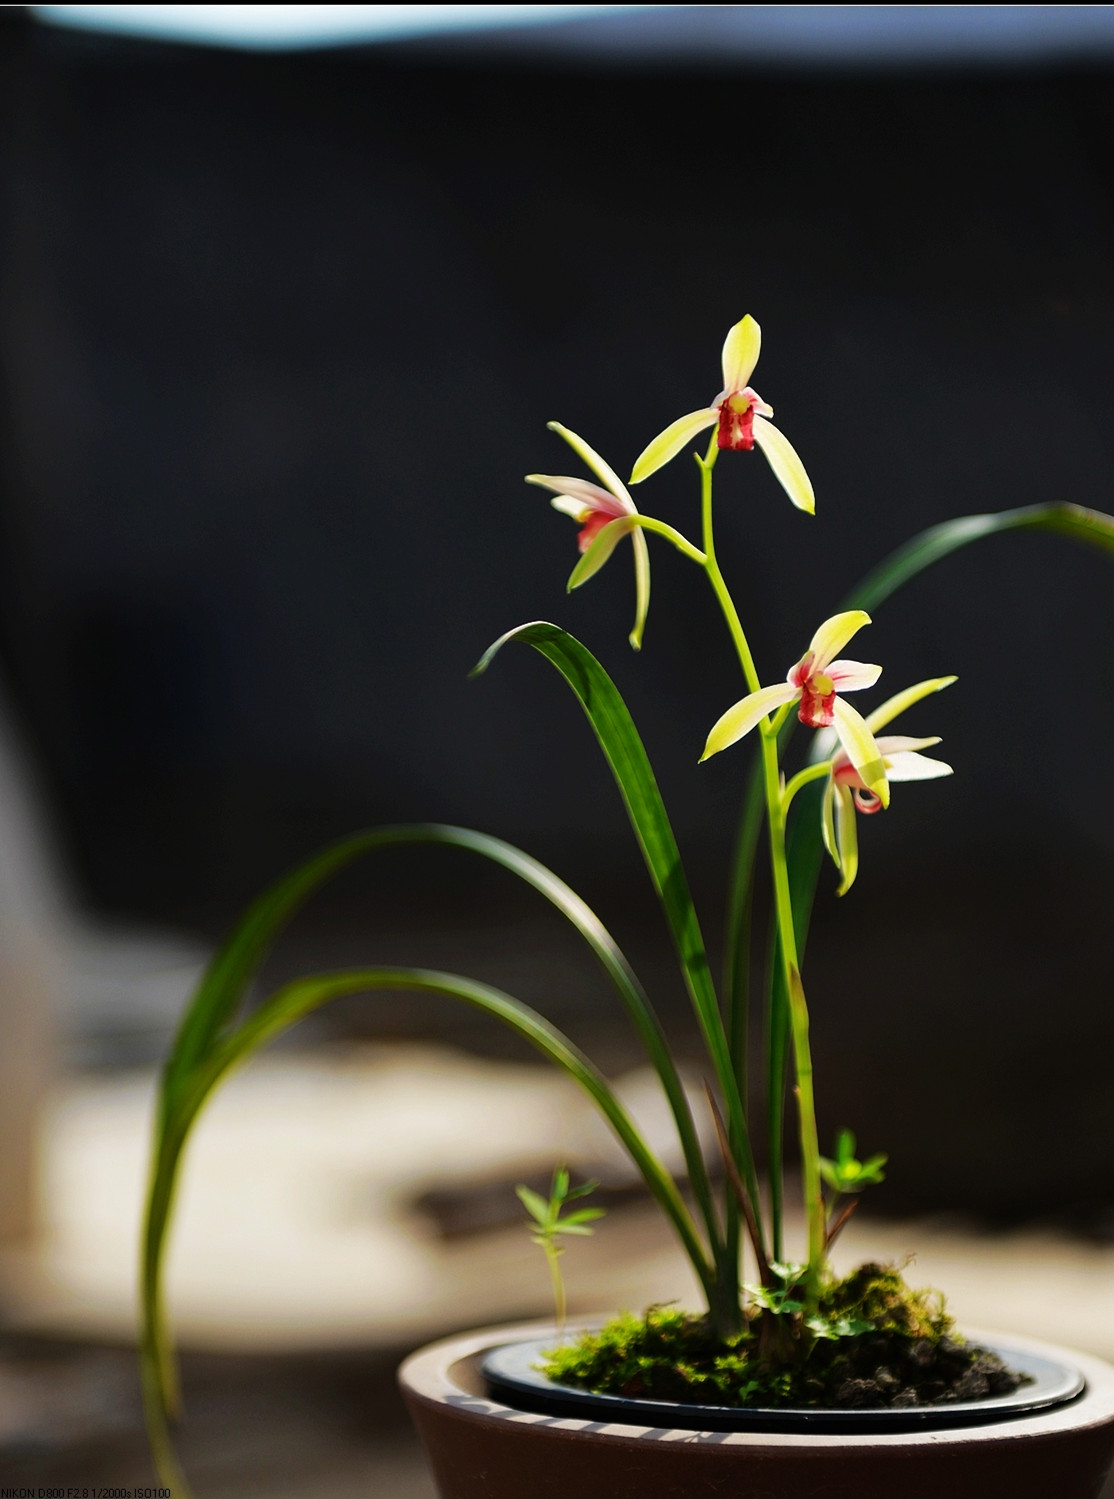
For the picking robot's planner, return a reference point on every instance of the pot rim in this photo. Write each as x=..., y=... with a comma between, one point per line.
x=446, y=1374
x=511, y=1374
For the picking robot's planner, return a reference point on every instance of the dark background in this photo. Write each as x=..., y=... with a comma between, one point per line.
x=280, y=335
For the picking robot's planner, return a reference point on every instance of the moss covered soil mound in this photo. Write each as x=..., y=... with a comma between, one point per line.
x=876, y=1343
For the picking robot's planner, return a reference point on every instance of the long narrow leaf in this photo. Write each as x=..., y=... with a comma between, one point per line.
x=736, y=944
x=223, y=987
x=630, y=766
x=222, y=990
x=282, y=1010
x=222, y=993
x=626, y=755
x=805, y=851
x=736, y=968
x=1077, y=523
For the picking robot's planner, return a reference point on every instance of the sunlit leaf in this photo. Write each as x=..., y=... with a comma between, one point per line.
x=208, y=1042
x=630, y=766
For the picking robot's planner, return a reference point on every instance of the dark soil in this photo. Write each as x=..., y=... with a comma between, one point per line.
x=888, y=1369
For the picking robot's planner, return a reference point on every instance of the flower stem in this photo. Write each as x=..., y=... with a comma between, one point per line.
x=798, y=1020
x=711, y=567
x=783, y=905
x=661, y=528
x=801, y=779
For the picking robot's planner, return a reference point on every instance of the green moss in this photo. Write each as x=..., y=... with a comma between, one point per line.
x=878, y=1294
x=877, y=1342
x=665, y=1354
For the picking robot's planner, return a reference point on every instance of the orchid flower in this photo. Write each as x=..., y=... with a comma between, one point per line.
x=604, y=516
x=743, y=420
x=816, y=682
x=847, y=794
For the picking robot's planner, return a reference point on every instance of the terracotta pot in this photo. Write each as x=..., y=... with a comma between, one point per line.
x=479, y=1449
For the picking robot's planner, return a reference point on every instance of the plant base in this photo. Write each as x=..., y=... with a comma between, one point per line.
x=886, y=1347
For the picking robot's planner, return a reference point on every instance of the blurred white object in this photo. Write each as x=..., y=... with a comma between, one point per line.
x=69, y=990
x=296, y=1224
x=816, y=35
x=297, y=1227
x=29, y=982
x=282, y=26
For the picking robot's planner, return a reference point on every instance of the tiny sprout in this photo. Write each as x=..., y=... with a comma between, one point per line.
x=845, y=1173
x=548, y=1226
x=783, y=1296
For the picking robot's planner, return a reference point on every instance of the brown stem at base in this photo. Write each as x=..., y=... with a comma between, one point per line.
x=840, y=1221
x=764, y=1276
x=779, y=1341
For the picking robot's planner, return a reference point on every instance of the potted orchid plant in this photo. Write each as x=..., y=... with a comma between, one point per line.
x=780, y=1338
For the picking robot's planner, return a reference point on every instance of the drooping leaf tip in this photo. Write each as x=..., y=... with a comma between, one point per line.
x=497, y=645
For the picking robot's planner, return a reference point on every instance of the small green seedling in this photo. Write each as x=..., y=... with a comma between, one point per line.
x=846, y=1175
x=548, y=1226
x=783, y=1298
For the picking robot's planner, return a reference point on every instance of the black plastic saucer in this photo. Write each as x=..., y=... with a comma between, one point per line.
x=513, y=1380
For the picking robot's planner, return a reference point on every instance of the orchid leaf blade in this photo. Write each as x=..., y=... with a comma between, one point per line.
x=634, y=776
x=630, y=766
x=276, y=1015
x=209, y=1023
x=1062, y=518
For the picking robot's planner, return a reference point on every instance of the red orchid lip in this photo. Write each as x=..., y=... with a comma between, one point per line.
x=736, y=428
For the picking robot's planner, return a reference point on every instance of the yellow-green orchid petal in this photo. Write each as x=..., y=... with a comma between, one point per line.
x=833, y=635
x=590, y=495
x=896, y=744
x=602, y=469
x=852, y=676
x=746, y=713
x=601, y=549
x=668, y=444
x=907, y=765
x=741, y=348
x=827, y=822
x=605, y=516
x=641, y=586
x=861, y=749
x=848, y=835
x=886, y=712
x=568, y=506
x=788, y=469
x=598, y=553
